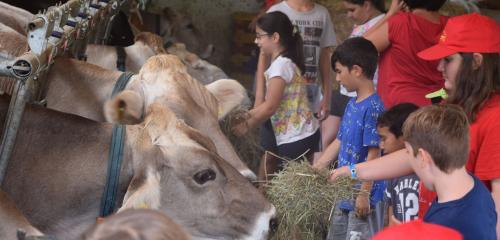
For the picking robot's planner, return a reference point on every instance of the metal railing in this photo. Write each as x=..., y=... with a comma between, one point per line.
x=60, y=30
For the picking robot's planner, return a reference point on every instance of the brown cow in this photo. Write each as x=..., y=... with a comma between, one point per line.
x=58, y=168
x=137, y=224
x=16, y=18
x=12, y=219
x=146, y=45
x=82, y=88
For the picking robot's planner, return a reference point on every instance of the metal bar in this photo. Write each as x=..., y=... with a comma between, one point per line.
x=12, y=122
x=49, y=36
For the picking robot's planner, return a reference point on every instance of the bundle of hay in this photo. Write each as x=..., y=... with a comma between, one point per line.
x=247, y=147
x=304, y=200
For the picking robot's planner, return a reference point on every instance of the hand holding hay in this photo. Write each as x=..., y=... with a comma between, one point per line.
x=304, y=200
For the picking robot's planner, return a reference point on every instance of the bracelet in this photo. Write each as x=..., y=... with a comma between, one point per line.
x=352, y=169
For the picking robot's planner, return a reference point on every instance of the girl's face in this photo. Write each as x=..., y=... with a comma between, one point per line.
x=449, y=67
x=358, y=13
x=263, y=40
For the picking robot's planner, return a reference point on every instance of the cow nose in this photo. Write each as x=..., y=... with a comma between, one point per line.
x=273, y=225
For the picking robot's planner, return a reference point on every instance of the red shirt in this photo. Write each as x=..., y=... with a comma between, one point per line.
x=484, y=155
x=403, y=76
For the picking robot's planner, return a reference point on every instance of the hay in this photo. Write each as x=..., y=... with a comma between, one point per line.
x=247, y=147
x=304, y=200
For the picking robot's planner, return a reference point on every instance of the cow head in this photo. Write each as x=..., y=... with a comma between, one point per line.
x=178, y=27
x=177, y=171
x=164, y=78
x=198, y=68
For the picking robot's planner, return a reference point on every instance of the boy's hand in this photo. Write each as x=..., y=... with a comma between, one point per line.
x=362, y=207
x=324, y=109
x=339, y=172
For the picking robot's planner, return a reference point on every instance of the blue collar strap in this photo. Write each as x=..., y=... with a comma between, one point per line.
x=121, y=58
x=115, y=156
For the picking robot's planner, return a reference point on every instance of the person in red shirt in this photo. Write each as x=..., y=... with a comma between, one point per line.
x=403, y=77
x=469, y=49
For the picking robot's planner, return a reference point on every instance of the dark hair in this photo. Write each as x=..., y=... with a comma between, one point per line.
x=395, y=117
x=473, y=87
x=357, y=51
x=430, y=5
x=378, y=4
x=290, y=39
x=442, y=131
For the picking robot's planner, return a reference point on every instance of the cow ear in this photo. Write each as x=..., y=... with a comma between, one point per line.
x=158, y=119
x=124, y=108
x=229, y=93
x=143, y=191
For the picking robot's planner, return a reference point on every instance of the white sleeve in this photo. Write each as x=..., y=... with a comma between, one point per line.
x=281, y=67
x=328, y=38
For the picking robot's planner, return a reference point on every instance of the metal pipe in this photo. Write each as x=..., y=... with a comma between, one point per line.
x=12, y=123
x=36, y=23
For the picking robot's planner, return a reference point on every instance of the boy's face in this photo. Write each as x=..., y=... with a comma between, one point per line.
x=388, y=141
x=345, y=76
x=420, y=167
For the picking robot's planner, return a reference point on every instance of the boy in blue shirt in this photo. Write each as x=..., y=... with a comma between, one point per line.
x=355, y=62
x=437, y=140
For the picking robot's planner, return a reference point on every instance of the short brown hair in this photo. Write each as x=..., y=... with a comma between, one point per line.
x=441, y=130
x=137, y=224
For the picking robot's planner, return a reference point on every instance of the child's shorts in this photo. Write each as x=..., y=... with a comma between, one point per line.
x=288, y=150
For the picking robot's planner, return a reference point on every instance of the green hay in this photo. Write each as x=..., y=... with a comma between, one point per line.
x=304, y=200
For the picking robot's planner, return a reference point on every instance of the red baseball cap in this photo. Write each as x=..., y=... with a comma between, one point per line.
x=466, y=33
x=418, y=229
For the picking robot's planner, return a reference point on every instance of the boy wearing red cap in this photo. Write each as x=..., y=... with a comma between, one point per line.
x=437, y=142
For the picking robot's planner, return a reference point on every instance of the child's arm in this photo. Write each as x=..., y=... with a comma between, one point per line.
x=330, y=153
x=389, y=166
x=265, y=110
x=260, y=81
x=363, y=198
x=324, y=67
x=379, y=33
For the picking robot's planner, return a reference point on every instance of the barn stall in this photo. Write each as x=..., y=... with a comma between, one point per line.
x=221, y=38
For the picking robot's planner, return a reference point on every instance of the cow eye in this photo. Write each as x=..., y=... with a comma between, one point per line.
x=204, y=176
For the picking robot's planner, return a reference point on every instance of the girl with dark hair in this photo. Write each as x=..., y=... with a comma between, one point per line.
x=469, y=49
x=399, y=36
x=285, y=108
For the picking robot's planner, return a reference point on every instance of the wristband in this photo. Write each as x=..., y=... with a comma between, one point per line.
x=352, y=169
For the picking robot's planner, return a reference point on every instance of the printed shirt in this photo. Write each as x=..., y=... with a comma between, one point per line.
x=358, y=132
x=402, y=195
x=294, y=118
x=359, y=31
x=316, y=29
